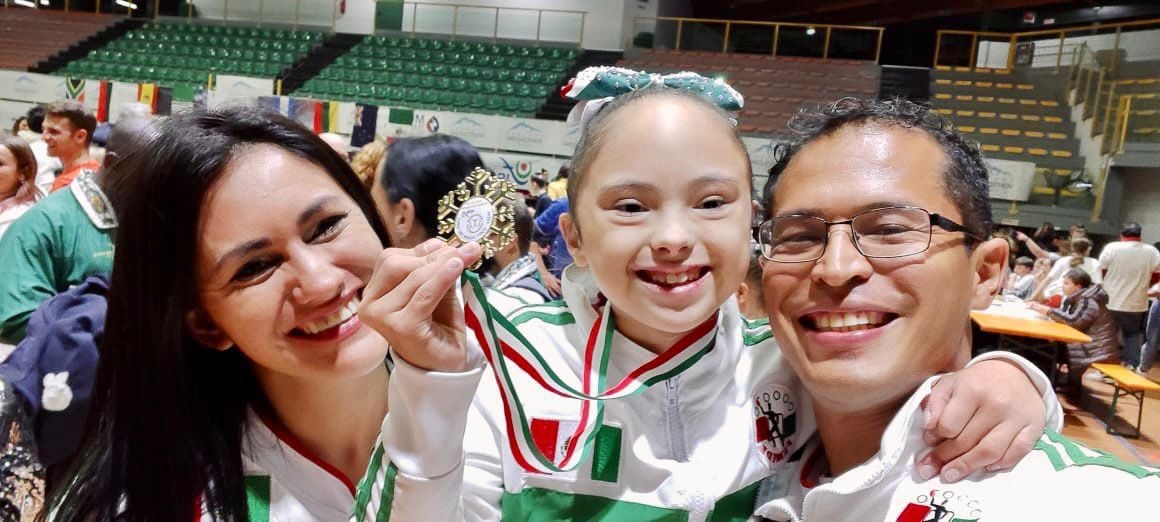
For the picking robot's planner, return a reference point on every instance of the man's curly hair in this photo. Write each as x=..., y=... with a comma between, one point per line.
x=965, y=174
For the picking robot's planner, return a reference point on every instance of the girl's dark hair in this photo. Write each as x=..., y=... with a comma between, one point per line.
x=1078, y=276
x=168, y=413
x=25, y=168
x=424, y=169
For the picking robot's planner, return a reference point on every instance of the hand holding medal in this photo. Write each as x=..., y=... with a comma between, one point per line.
x=410, y=299
x=479, y=210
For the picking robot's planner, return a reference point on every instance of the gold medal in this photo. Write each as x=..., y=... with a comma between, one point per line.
x=479, y=210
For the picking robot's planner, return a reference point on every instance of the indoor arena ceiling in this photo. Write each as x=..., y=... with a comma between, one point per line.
x=859, y=12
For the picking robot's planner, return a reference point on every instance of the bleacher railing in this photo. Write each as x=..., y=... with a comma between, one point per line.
x=1131, y=109
x=1048, y=47
x=773, y=38
x=517, y=23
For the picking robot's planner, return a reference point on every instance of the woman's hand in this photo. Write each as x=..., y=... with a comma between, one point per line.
x=410, y=300
x=988, y=415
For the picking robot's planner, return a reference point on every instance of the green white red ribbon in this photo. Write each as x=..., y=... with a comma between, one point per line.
x=503, y=343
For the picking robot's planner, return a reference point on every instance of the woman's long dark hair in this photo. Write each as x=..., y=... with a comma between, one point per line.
x=424, y=169
x=168, y=416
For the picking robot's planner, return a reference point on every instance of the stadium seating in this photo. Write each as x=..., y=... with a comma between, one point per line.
x=774, y=88
x=28, y=36
x=426, y=73
x=1019, y=116
x=178, y=53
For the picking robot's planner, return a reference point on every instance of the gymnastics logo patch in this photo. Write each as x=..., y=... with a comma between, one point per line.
x=775, y=422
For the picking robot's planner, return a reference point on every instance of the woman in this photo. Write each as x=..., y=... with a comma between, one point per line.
x=20, y=125
x=235, y=381
x=1080, y=248
x=416, y=174
x=366, y=162
x=1085, y=309
x=18, y=190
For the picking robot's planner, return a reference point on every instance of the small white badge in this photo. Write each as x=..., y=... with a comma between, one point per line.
x=474, y=220
x=57, y=395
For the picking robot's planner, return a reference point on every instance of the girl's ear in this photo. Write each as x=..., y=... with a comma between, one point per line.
x=204, y=331
x=571, y=232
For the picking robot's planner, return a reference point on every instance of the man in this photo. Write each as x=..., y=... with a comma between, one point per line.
x=875, y=254
x=61, y=241
x=1129, y=267
x=46, y=166
x=518, y=275
x=68, y=132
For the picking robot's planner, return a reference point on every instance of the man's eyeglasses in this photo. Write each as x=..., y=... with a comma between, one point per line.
x=879, y=233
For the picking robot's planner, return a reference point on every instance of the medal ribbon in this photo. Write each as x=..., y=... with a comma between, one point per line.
x=502, y=343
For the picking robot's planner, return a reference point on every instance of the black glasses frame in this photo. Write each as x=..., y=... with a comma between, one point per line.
x=936, y=220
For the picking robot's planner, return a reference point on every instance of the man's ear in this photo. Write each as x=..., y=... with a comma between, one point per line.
x=204, y=331
x=572, y=238
x=989, y=263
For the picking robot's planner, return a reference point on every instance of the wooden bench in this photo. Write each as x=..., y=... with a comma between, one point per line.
x=1126, y=382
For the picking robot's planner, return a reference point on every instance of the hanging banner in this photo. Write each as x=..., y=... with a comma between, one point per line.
x=232, y=89
x=1010, y=180
x=31, y=87
x=518, y=168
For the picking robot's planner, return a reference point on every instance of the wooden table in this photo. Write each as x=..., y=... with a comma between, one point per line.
x=1024, y=331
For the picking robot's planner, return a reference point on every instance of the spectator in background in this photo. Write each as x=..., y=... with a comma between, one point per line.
x=47, y=166
x=517, y=274
x=20, y=125
x=416, y=174
x=1084, y=308
x=336, y=142
x=547, y=235
x=749, y=295
x=1078, y=258
x=68, y=132
x=1129, y=267
x=539, y=185
x=366, y=162
x=558, y=188
x=124, y=112
x=1044, y=234
x=18, y=189
x=1023, y=283
x=1152, y=329
x=61, y=240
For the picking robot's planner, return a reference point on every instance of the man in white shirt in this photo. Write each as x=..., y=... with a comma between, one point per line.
x=875, y=253
x=1129, y=267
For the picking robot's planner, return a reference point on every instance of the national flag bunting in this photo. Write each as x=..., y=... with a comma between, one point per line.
x=75, y=89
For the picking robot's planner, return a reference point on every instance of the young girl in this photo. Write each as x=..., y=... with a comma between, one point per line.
x=659, y=231
x=234, y=381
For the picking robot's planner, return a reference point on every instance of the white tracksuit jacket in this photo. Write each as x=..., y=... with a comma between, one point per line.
x=694, y=448
x=1060, y=480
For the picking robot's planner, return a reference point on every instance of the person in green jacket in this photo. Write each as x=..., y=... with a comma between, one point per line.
x=60, y=241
